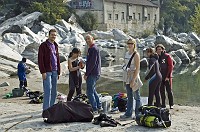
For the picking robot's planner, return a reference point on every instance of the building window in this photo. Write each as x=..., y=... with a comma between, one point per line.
x=133, y=16
x=109, y=16
x=155, y=17
x=130, y=17
x=139, y=17
x=122, y=15
x=149, y=17
x=116, y=16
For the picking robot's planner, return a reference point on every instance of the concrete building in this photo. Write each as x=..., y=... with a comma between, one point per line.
x=136, y=15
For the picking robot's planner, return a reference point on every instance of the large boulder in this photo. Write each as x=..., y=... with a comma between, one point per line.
x=30, y=33
x=194, y=38
x=119, y=35
x=71, y=27
x=106, y=56
x=62, y=31
x=175, y=58
x=13, y=29
x=182, y=37
x=17, y=41
x=31, y=52
x=9, y=59
x=170, y=44
x=23, y=19
x=102, y=35
x=192, y=54
x=183, y=56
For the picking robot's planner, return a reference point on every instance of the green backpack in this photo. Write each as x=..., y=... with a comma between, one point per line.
x=152, y=116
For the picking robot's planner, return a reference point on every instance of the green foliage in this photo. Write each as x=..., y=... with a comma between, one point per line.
x=146, y=33
x=176, y=14
x=52, y=10
x=88, y=21
x=195, y=20
x=161, y=23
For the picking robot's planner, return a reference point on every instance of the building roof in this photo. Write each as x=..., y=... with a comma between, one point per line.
x=136, y=2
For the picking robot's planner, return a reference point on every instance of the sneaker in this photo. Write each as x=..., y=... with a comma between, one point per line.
x=171, y=107
x=95, y=112
x=124, y=117
x=100, y=110
x=134, y=117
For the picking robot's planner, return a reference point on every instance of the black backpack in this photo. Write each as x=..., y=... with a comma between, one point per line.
x=122, y=104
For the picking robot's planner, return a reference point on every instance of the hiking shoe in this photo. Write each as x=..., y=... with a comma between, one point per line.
x=95, y=112
x=124, y=117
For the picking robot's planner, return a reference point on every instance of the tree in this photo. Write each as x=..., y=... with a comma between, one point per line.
x=88, y=21
x=195, y=20
x=52, y=10
x=176, y=13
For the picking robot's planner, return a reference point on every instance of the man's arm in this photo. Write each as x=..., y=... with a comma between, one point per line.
x=41, y=60
x=170, y=66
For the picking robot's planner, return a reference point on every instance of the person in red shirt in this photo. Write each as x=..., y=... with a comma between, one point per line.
x=166, y=68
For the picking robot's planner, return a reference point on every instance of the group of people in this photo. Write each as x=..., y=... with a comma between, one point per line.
x=159, y=75
x=49, y=65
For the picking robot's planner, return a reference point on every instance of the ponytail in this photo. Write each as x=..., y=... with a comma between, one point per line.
x=70, y=54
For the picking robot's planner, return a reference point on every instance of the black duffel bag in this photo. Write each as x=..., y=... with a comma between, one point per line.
x=71, y=111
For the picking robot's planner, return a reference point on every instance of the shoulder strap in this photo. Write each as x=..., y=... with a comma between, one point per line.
x=129, y=62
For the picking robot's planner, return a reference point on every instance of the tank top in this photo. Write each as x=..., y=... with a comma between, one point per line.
x=127, y=78
x=74, y=64
x=132, y=66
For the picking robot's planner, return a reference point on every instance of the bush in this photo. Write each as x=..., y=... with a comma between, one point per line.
x=53, y=10
x=88, y=21
x=146, y=33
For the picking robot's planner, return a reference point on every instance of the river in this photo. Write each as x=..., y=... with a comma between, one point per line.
x=186, y=87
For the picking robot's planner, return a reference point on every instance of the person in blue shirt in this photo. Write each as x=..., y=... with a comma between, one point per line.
x=93, y=71
x=21, y=72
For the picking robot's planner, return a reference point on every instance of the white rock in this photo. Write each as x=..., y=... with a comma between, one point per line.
x=119, y=35
x=102, y=35
x=74, y=27
x=170, y=44
x=21, y=20
x=9, y=59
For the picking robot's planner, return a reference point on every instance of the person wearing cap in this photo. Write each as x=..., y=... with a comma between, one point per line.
x=21, y=72
x=166, y=68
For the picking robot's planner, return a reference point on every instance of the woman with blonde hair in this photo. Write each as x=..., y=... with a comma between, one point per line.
x=131, y=78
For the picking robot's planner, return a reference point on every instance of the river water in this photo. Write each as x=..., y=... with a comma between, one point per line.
x=186, y=87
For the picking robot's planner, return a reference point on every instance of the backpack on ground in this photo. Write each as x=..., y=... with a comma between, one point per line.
x=152, y=116
x=120, y=101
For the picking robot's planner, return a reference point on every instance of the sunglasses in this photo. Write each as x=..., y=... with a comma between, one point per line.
x=130, y=43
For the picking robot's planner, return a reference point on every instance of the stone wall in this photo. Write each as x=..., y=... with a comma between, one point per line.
x=123, y=16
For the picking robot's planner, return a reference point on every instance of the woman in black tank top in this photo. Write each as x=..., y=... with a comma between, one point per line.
x=75, y=77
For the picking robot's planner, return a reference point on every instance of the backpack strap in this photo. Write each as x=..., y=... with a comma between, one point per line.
x=129, y=62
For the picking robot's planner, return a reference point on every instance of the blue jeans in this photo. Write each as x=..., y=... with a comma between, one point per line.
x=50, y=89
x=92, y=93
x=130, y=95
